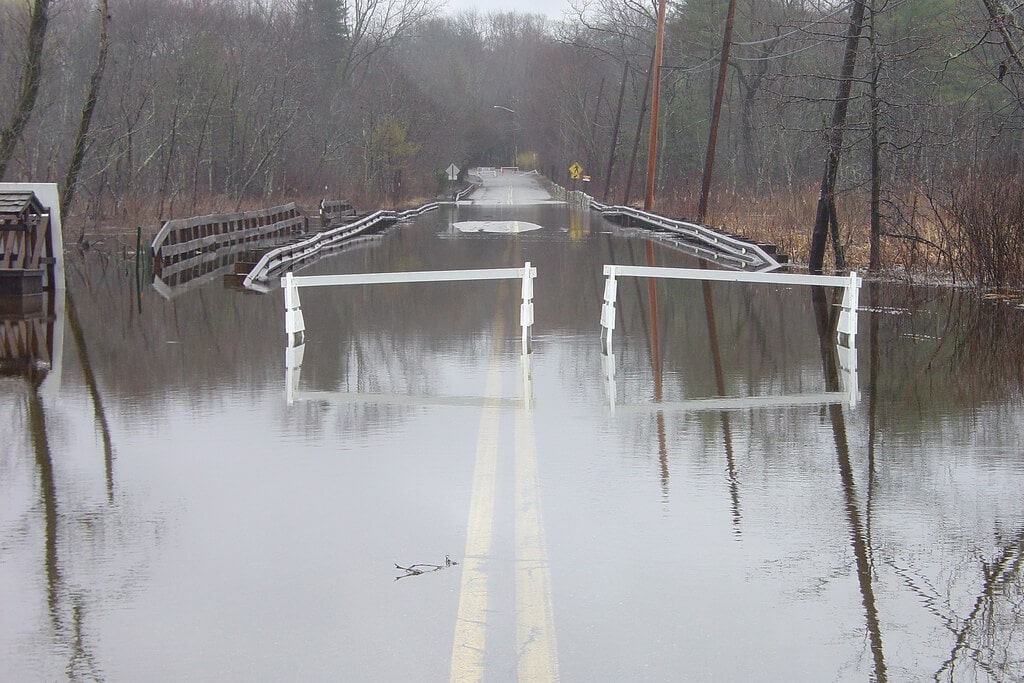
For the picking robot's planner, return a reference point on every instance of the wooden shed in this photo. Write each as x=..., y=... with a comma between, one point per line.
x=26, y=244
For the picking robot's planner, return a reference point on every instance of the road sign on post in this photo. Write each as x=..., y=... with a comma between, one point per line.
x=453, y=173
x=575, y=170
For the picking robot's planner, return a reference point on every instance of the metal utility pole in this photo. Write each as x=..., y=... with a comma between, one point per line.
x=652, y=138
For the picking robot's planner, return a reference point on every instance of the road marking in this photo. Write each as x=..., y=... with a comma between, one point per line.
x=536, y=648
x=535, y=620
x=471, y=623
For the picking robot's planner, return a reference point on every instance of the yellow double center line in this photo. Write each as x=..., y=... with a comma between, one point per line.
x=535, y=629
x=535, y=616
x=471, y=622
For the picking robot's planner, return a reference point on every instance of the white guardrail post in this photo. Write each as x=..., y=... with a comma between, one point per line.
x=611, y=287
x=526, y=309
x=294, y=324
x=295, y=328
x=846, y=338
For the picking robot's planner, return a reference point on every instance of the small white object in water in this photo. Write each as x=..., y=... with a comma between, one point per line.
x=501, y=227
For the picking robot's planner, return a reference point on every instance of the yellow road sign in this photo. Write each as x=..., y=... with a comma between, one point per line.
x=575, y=170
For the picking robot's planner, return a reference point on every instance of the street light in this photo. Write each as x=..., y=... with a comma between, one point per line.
x=515, y=147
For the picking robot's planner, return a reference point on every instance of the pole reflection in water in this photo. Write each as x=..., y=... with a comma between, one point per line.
x=858, y=537
x=80, y=664
x=655, y=347
x=48, y=500
x=716, y=357
x=94, y=392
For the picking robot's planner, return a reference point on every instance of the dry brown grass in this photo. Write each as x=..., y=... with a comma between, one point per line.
x=785, y=218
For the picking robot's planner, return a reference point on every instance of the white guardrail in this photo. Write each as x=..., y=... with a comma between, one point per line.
x=276, y=259
x=295, y=324
x=846, y=329
x=705, y=242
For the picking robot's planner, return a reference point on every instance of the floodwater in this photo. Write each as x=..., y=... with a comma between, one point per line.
x=715, y=509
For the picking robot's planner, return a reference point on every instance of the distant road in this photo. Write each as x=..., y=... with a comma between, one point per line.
x=508, y=188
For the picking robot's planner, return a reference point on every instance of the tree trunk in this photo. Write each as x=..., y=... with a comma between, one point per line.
x=999, y=20
x=826, y=196
x=615, y=134
x=639, y=130
x=716, y=113
x=875, y=256
x=30, y=78
x=78, y=155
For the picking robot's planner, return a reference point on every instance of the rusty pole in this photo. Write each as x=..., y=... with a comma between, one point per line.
x=652, y=137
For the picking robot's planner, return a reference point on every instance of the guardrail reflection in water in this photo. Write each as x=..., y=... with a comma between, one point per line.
x=295, y=324
x=846, y=331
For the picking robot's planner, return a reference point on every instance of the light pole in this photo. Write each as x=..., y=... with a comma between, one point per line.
x=515, y=147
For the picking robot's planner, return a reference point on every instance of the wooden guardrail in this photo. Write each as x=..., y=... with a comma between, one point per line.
x=332, y=211
x=182, y=241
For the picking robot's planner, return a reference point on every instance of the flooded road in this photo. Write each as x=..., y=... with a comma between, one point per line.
x=432, y=506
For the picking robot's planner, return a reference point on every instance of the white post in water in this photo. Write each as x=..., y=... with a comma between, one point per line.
x=846, y=338
x=608, y=312
x=294, y=324
x=292, y=370
x=526, y=310
x=295, y=328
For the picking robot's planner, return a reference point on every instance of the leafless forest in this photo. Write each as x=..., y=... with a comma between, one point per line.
x=175, y=107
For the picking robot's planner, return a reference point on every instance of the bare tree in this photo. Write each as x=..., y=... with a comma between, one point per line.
x=826, y=215
x=30, y=82
x=375, y=27
x=78, y=155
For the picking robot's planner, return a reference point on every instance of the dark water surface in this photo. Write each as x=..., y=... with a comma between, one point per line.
x=167, y=515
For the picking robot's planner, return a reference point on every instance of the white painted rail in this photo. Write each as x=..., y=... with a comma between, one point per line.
x=703, y=241
x=295, y=325
x=846, y=329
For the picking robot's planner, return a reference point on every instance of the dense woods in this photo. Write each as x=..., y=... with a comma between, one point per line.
x=224, y=103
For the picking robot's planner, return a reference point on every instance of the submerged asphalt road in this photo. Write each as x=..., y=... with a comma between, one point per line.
x=427, y=503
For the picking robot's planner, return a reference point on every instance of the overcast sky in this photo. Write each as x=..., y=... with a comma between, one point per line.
x=551, y=8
